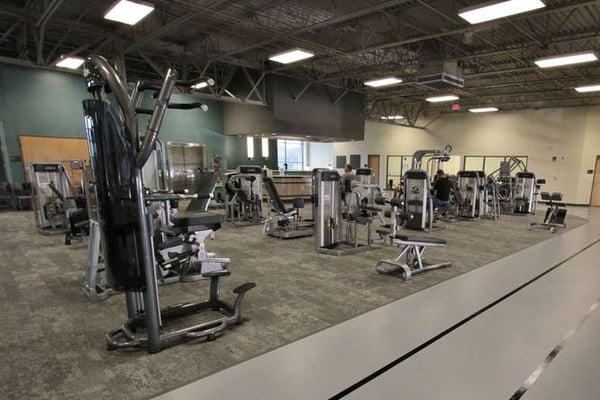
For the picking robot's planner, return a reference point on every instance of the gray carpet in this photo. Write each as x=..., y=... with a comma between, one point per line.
x=52, y=338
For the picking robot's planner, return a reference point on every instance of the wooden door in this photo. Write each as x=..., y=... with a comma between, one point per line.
x=595, y=202
x=373, y=162
x=54, y=149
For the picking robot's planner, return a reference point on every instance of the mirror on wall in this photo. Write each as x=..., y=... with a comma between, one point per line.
x=184, y=160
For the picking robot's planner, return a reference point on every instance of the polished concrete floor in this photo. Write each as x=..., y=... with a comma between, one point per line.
x=52, y=337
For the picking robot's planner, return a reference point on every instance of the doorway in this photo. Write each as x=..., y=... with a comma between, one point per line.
x=373, y=163
x=595, y=200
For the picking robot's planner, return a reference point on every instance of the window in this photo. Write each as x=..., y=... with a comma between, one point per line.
x=265, y=147
x=250, y=146
x=396, y=167
x=290, y=153
x=489, y=164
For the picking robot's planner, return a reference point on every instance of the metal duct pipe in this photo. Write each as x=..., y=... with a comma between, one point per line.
x=119, y=88
x=160, y=108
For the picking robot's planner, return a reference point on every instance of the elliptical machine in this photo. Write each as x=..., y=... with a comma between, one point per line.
x=117, y=159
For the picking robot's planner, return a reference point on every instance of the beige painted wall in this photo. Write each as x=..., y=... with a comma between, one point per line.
x=570, y=134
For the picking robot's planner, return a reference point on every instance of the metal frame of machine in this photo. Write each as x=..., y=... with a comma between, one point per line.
x=287, y=223
x=243, y=200
x=126, y=223
x=412, y=249
x=525, y=192
x=471, y=186
x=555, y=214
x=418, y=203
x=330, y=220
x=50, y=184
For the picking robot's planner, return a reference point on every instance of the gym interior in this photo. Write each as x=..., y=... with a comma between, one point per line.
x=284, y=199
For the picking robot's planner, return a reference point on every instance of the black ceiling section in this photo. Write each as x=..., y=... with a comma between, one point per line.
x=353, y=41
x=313, y=110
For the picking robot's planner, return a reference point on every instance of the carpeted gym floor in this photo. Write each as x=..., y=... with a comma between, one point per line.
x=52, y=338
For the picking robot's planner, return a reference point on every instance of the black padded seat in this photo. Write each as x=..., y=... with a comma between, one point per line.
x=420, y=239
x=383, y=231
x=172, y=242
x=181, y=220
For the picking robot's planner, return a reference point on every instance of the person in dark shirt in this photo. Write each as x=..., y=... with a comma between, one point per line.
x=441, y=188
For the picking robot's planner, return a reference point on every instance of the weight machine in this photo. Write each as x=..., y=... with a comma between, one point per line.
x=243, y=200
x=117, y=158
x=555, y=214
x=525, y=192
x=287, y=222
x=418, y=202
x=54, y=197
x=336, y=229
x=472, y=194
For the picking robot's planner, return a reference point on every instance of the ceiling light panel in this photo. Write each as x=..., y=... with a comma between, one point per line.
x=392, y=80
x=483, y=109
x=70, y=62
x=567, y=59
x=291, y=56
x=441, y=99
x=498, y=9
x=588, y=89
x=129, y=12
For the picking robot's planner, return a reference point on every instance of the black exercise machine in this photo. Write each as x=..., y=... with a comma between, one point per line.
x=555, y=214
x=117, y=158
x=287, y=223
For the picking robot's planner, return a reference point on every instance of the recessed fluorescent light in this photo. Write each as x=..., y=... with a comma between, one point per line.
x=567, y=59
x=203, y=84
x=588, y=89
x=498, y=9
x=69, y=62
x=392, y=117
x=483, y=109
x=291, y=56
x=392, y=80
x=128, y=12
x=441, y=99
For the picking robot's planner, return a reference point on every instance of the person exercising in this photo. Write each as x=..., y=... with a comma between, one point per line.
x=441, y=188
x=347, y=178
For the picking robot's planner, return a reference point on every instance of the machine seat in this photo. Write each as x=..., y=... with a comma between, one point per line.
x=383, y=231
x=420, y=239
x=182, y=220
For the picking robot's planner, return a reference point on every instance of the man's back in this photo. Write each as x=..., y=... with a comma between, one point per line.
x=442, y=187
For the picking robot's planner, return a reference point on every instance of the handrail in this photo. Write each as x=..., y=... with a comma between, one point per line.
x=153, y=127
x=118, y=87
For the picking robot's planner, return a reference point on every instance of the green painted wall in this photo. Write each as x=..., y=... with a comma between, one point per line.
x=192, y=126
x=38, y=102
x=48, y=103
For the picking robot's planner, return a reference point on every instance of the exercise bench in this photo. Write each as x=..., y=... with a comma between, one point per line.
x=412, y=249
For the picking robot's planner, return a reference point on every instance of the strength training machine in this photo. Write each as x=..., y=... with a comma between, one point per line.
x=117, y=157
x=287, y=223
x=555, y=214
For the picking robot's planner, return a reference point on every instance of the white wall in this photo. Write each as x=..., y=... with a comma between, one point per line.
x=570, y=134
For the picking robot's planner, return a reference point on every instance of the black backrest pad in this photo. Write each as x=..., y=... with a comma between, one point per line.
x=467, y=174
x=114, y=168
x=276, y=201
x=416, y=174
